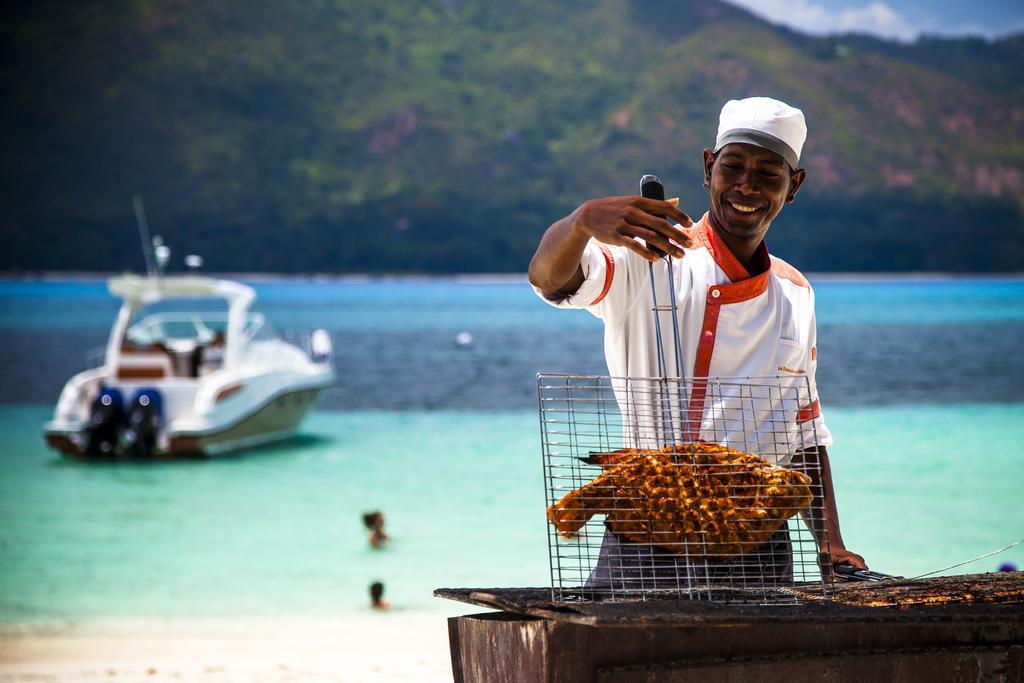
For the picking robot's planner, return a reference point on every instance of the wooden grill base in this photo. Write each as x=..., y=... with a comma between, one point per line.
x=968, y=628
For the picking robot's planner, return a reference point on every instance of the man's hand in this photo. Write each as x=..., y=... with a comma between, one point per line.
x=835, y=556
x=844, y=556
x=555, y=268
x=620, y=220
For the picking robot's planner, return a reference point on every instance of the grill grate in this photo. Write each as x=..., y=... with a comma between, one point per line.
x=976, y=597
x=654, y=491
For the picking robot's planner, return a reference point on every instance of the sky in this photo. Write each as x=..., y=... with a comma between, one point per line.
x=900, y=19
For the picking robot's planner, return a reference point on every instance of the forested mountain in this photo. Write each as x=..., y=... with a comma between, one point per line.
x=441, y=136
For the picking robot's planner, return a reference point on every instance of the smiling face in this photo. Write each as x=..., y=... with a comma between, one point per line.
x=748, y=186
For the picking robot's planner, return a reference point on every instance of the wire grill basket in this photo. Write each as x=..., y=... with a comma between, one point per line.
x=703, y=489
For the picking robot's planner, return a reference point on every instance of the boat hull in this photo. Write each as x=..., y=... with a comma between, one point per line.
x=274, y=420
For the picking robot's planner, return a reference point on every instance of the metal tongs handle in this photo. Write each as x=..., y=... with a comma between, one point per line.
x=651, y=187
x=851, y=573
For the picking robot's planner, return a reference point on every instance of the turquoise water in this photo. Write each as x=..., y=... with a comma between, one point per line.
x=898, y=341
x=278, y=531
x=924, y=399
x=404, y=304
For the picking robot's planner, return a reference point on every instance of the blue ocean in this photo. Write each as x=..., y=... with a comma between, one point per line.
x=921, y=380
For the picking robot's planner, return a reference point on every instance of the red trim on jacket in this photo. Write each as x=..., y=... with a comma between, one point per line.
x=738, y=291
x=809, y=413
x=788, y=272
x=701, y=367
x=609, y=273
x=726, y=260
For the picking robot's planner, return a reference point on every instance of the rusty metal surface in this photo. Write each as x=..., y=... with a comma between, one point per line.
x=974, y=597
x=1001, y=588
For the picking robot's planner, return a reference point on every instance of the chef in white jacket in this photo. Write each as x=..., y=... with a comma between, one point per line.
x=741, y=313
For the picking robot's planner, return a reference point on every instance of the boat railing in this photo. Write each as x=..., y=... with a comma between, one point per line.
x=317, y=345
x=298, y=338
x=255, y=327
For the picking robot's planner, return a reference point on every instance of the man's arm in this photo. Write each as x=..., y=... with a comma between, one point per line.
x=823, y=516
x=555, y=267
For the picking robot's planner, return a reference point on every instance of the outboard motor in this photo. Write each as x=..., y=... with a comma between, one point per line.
x=145, y=420
x=106, y=420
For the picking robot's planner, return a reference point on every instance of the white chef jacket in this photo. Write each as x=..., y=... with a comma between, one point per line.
x=752, y=337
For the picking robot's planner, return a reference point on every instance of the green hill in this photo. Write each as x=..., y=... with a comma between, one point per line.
x=445, y=136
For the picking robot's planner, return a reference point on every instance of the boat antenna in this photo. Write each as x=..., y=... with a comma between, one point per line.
x=147, y=245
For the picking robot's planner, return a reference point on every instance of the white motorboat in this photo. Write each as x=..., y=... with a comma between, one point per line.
x=179, y=380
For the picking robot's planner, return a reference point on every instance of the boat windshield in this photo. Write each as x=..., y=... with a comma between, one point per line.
x=172, y=329
x=183, y=339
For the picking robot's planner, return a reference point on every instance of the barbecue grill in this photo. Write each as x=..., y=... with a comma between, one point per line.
x=910, y=630
x=673, y=516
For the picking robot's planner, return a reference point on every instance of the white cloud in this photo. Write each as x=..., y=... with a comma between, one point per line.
x=876, y=18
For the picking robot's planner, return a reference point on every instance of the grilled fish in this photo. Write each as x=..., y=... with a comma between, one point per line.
x=700, y=500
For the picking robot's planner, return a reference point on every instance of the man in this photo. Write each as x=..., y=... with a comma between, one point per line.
x=377, y=596
x=374, y=523
x=740, y=311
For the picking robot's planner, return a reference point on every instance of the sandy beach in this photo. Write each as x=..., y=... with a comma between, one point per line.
x=372, y=647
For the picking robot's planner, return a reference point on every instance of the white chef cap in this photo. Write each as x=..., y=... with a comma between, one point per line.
x=764, y=122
